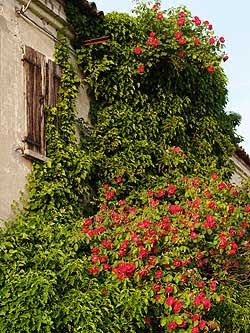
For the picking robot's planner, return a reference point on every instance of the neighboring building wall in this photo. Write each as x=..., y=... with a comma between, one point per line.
x=242, y=170
x=15, y=32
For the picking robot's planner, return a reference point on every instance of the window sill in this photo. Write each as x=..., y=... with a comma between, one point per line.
x=31, y=155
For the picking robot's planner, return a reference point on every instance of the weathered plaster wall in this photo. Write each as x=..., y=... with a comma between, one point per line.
x=15, y=32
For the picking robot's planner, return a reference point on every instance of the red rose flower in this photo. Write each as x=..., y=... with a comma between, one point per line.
x=210, y=27
x=155, y=42
x=213, y=284
x=202, y=324
x=118, y=180
x=137, y=50
x=247, y=209
x=201, y=284
x=195, y=317
x=196, y=41
x=182, y=14
x=171, y=189
x=231, y=232
x=106, y=267
x=159, y=16
x=193, y=235
x=206, y=303
x=244, y=224
x=150, y=193
x=196, y=20
x=210, y=222
x=169, y=289
x=141, y=68
x=109, y=195
x=181, y=54
x=174, y=209
x=94, y=259
x=182, y=41
x=222, y=185
x=170, y=300
x=122, y=202
x=157, y=287
x=95, y=250
x=176, y=150
x=210, y=69
x=156, y=6
x=211, y=204
x=223, y=240
x=225, y=58
x=172, y=325
x=181, y=21
x=147, y=320
x=177, y=306
x=103, y=259
x=211, y=325
x=214, y=176
x=195, y=329
x=93, y=270
x=211, y=40
x=103, y=207
x=177, y=263
x=161, y=193
x=178, y=34
x=241, y=233
x=222, y=39
x=158, y=274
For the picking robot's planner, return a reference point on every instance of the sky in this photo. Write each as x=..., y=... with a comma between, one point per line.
x=230, y=19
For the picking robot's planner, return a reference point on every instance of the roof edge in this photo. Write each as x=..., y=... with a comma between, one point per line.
x=242, y=154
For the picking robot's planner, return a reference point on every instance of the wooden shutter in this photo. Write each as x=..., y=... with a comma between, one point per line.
x=53, y=83
x=35, y=75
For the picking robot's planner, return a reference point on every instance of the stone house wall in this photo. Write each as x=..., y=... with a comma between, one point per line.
x=16, y=32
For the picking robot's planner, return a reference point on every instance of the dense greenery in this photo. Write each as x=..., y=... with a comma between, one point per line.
x=144, y=99
x=174, y=100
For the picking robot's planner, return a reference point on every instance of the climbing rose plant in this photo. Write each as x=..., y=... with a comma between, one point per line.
x=157, y=82
x=179, y=34
x=180, y=245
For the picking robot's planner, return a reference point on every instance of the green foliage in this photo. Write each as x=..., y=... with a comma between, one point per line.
x=175, y=101
x=46, y=280
x=39, y=265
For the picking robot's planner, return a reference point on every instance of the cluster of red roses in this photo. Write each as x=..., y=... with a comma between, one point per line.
x=181, y=21
x=127, y=243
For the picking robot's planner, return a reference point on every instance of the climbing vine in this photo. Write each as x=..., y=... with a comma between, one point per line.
x=157, y=83
x=158, y=79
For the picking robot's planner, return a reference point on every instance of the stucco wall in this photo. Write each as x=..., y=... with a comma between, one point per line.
x=15, y=32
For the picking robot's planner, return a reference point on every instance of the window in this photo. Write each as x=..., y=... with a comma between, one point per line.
x=42, y=80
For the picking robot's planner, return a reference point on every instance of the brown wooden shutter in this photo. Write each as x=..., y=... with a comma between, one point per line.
x=35, y=75
x=53, y=83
